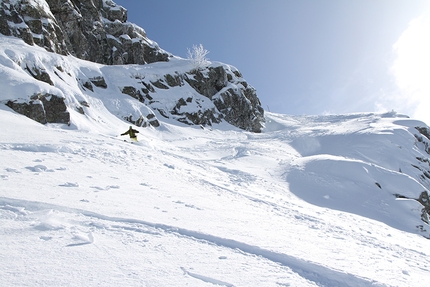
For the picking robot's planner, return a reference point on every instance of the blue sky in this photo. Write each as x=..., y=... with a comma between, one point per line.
x=307, y=56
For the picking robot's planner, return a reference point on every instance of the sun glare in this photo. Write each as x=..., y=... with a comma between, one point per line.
x=412, y=67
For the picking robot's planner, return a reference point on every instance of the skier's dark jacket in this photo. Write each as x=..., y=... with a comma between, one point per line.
x=132, y=132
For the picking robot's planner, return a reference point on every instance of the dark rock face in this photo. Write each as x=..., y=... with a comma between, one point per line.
x=36, y=25
x=199, y=117
x=93, y=30
x=99, y=82
x=423, y=166
x=39, y=74
x=241, y=108
x=425, y=201
x=143, y=121
x=210, y=84
x=234, y=99
x=424, y=131
x=44, y=109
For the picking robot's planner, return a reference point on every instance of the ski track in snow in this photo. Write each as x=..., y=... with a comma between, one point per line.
x=321, y=275
x=206, y=279
x=312, y=272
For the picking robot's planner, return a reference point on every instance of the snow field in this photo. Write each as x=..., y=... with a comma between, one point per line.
x=194, y=206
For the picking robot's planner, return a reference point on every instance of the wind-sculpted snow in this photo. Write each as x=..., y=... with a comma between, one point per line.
x=366, y=160
x=358, y=187
x=187, y=206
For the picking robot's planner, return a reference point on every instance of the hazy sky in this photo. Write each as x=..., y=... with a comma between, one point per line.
x=307, y=56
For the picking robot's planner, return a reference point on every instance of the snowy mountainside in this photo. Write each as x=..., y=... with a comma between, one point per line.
x=296, y=205
x=34, y=78
x=98, y=32
x=215, y=193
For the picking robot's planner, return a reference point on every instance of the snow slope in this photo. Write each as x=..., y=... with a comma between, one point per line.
x=69, y=77
x=297, y=205
x=187, y=206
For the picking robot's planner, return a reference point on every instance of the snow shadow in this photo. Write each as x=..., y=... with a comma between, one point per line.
x=357, y=187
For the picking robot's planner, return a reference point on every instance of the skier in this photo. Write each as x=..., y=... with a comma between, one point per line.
x=132, y=133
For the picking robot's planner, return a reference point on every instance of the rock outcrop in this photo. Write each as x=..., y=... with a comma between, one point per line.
x=33, y=22
x=98, y=31
x=231, y=98
x=44, y=109
x=93, y=30
x=423, y=166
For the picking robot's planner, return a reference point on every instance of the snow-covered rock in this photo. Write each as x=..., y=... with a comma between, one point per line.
x=140, y=94
x=98, y=31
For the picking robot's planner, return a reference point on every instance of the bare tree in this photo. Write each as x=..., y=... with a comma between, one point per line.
x=198, y=56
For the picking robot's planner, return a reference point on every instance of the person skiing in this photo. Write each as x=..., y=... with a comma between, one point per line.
x=132, y=133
